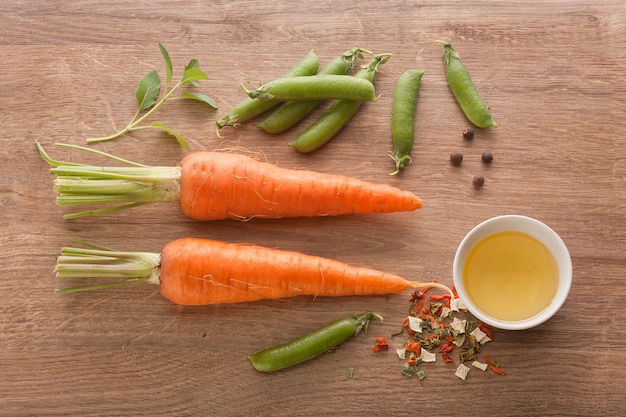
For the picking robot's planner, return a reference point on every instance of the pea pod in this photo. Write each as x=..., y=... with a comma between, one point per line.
x=403, y=117
x=249, y=107
x=290, y=113
x=464, y=90
x=337, y=115
x=345, y=87
x=311, y=344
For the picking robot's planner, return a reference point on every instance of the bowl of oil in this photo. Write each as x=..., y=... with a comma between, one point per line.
x=512, y=272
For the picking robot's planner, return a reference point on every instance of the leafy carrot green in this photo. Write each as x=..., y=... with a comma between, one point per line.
x=147, y=94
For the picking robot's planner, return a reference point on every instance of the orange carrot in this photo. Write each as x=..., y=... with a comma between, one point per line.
x=238, y=186
x=194, y=271
x=219, y=185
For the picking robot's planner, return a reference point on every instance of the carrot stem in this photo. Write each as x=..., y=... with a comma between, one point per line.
x=123, y=186
x=125, y=267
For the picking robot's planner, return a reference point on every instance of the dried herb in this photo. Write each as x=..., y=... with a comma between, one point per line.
x=441, y=325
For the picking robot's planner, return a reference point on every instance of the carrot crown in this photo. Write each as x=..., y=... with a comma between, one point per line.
x=119, y=187
x=124, y=268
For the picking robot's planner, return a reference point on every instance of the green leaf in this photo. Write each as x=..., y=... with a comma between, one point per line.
x=168, y=63
x=200, y=97
x=148, y=90
x=169, y=131
x=193, y=73
x=193, y=64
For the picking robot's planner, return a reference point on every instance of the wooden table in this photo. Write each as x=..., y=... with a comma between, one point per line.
x=552, y=73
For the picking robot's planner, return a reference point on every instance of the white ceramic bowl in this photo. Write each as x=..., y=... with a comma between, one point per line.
x=531, y=227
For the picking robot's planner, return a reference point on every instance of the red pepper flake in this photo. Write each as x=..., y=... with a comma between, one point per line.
x=440, y=297
x=493, y=367
x=419, y=306
x=426, y=310
x=381, y=344
x=405, y=325
x=447, y=348
x=456, y=294
x=446, y=358
x=413, y=346
x=485, y=328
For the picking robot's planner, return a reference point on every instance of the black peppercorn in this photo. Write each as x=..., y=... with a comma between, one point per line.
x=478, y=181
x=468, y=133
x=456, y=157
x=487, y=157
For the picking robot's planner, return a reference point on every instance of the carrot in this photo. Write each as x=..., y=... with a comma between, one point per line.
x=193, y=271
x=219, y=185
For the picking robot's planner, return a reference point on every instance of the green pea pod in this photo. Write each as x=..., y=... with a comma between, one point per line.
x=403, y=117
x=316, y=87
x=291, y=113
x=337, y=116
x=249, y=107
x=311, y=344
x=464, y=90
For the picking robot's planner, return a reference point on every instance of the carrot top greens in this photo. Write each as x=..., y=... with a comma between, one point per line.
x=94, y=261
x=147, y=93
x=121, y=186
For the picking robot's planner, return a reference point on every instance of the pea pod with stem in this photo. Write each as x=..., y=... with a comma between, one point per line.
x=337, y=116
x=249, y=108
x=403, y=117
x=290, y=113
x=464, y=90
x=311, y=344
x=315, y=87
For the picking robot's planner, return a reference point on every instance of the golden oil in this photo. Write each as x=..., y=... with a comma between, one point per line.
x=510, y=276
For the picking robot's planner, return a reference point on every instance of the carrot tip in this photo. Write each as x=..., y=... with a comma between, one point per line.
x=415, y=284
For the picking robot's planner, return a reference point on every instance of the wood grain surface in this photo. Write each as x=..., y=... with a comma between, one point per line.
x=552, y=73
